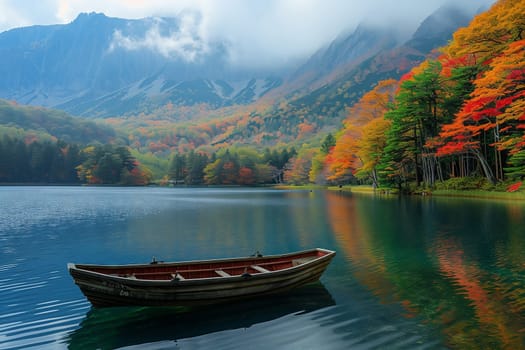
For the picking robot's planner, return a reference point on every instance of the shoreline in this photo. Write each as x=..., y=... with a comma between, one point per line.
x=369, y=190
x=478, y=194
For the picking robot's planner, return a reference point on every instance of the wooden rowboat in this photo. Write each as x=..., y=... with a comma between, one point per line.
x=198, y=282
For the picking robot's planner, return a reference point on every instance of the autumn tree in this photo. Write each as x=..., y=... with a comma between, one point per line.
x=138, y=176
x=343, y=159
x=491, y=122
x=224, y=170
x=371, y=146
x=298, y=168
x=500, y=96
x=490, y=32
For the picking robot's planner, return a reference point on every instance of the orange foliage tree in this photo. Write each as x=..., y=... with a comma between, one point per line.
x=490, y=32
x=493, y=117
x=371, y=146
x=345, y=157
x=298, y=169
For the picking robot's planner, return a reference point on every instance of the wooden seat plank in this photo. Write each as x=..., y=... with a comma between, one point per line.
x=260, y=269
x=222, y=273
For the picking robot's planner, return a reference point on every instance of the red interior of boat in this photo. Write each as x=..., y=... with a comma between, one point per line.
x=210, y=269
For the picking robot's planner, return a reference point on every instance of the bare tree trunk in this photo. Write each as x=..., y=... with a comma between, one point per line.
x=497, y=154
x=485, y=166
x=375, y=182
x=439, y=171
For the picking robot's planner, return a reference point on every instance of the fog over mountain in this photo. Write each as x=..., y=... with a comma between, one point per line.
x=257, y=33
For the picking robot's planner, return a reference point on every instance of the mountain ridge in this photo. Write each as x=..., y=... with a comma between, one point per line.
x=52, y=71
x=323, y=107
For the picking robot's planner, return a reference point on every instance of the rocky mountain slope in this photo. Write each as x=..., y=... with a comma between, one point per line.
x=340, y=80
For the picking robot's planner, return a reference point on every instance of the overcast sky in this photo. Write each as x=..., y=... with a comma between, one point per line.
x=274, y=29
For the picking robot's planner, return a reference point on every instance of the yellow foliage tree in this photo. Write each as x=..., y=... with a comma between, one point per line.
x=344, y=159
x=490, y=32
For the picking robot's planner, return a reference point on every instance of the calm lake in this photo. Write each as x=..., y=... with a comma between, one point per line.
x=410, y=273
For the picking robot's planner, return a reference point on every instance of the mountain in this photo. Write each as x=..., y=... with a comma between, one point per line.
x=436, y=30
x=150, y=93
x=102, y=66
x=346, y=69
x=343, y=54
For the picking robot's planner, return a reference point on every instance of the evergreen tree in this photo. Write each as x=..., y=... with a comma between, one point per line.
x=415, y=119
x=328, y=142
x=516, y=168
x=196, y=163
x=177, y=167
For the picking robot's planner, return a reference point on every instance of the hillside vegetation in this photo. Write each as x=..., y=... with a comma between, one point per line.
x=43, y=123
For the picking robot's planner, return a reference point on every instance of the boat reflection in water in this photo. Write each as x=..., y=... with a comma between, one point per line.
x=110, y=328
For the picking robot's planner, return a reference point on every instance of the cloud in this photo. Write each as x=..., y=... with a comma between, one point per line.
x=264, y=33
x=186, y=42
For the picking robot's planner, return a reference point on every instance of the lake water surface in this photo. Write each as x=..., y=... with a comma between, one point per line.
x=410, y=273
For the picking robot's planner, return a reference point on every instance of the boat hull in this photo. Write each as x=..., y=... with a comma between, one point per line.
x=104, y=290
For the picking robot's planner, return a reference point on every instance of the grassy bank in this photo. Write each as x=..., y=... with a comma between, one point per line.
x=355, y=189
x=518, y=195
x=299, y=187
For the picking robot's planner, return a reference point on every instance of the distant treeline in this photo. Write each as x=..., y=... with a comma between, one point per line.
x=26, y=160
x=33, y=161
x=231, y=166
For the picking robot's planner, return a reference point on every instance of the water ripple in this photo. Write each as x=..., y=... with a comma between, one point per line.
x=17, y=333
x=21, y=286
x=7, y=267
